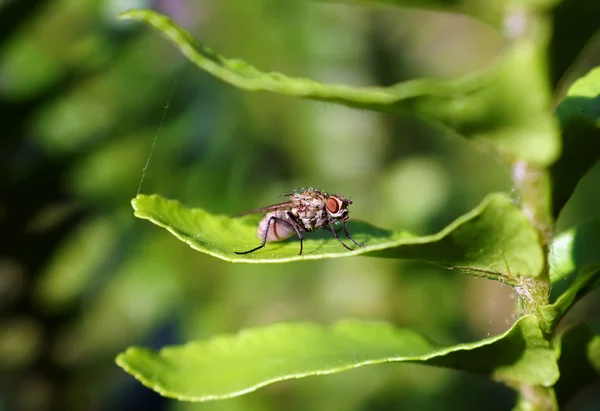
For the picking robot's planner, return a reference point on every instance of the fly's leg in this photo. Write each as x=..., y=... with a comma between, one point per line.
x=336, y=236
x=348, y=235
x=264, y=240
x=293, y=223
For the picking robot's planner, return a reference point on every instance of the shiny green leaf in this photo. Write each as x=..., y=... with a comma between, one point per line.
x=232, y=365
x=579, y=117
x=494, y=240
x=489, y=107
x=247, y=77
x=582, y=100
x=574, y=249
x=586, y=281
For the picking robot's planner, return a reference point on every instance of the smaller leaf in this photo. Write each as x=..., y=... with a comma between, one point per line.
x=586, y=281
x=579, y=117
x=232, y=365
x=494, y=240
x=574, y=249
x=582, y=100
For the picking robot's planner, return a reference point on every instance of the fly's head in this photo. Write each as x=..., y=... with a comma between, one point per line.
x=337, y=207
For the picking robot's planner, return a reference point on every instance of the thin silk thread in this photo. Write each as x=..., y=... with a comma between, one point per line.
x=156, y=134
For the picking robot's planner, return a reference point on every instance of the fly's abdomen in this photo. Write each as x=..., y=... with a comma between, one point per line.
x=278, y=230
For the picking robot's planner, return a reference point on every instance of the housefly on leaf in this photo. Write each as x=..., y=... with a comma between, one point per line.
x=306, y=210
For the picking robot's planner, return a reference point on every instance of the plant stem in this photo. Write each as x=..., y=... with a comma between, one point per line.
x=534, y=190
x=536, y=398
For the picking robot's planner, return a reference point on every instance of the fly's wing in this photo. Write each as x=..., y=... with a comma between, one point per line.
x=265, y=209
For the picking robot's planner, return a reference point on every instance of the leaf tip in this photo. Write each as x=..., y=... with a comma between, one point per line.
x=135, y=202
x=127, y=14
x=136, y=14
x=122, y=358
x=139, y=200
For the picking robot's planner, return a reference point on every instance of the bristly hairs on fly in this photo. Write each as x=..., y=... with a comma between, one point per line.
x=157, y=133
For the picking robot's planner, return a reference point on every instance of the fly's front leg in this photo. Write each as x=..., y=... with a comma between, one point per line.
x=348, y=235
x=294, y=224
x=336, y=236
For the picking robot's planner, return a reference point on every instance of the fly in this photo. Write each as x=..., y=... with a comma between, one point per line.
x=306, y=210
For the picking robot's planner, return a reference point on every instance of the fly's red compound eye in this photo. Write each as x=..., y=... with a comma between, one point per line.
x=333, y=205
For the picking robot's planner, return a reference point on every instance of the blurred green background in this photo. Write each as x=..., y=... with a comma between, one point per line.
x=83, y=98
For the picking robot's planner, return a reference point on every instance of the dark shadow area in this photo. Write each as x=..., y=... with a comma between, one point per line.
x=574, y=23
x=485, y=359
x=465, y=392
x=576, y=371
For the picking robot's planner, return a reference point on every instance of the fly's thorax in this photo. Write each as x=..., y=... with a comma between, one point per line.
x=313, y=209
x=278, y=230
x=309, y=209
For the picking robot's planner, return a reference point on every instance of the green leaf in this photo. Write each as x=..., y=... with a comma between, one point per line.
x=574, y=249
x=489, y=107
x=586, y=281
x=493, y=240
x=247, y=77
x=232, y=365
x=582, y=100
x=579, y=361
x=579, y=117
